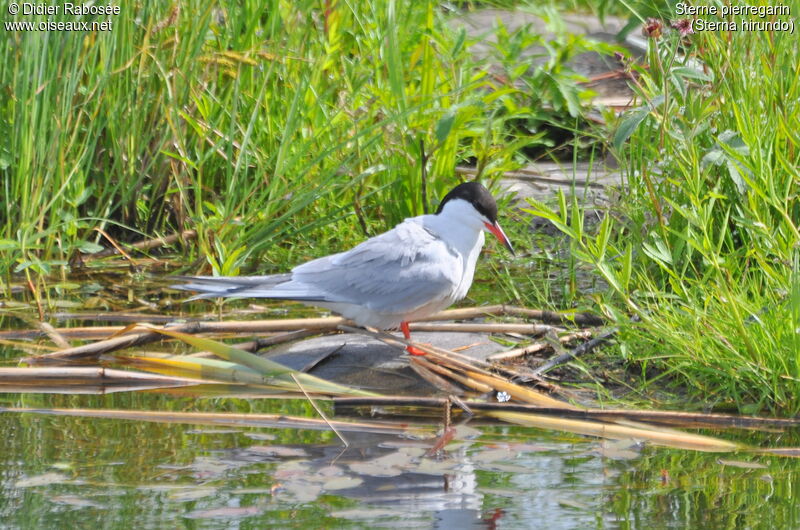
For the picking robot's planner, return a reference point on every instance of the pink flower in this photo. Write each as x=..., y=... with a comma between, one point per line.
x=683, y=25
x=652, y=28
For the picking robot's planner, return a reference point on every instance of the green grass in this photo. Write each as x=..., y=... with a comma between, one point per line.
x=286, y=130
x=256, y=123
x=703, y=246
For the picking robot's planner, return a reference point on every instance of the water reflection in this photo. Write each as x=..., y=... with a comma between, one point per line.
x=65, y=470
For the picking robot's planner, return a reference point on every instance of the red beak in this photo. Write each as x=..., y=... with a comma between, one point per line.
x=499, y=234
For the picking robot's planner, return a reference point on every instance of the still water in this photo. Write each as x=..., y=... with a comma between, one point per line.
x=72, y=471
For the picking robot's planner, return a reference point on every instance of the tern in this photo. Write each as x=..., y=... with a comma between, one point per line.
x=414, y=270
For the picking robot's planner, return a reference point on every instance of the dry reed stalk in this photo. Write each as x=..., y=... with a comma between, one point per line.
x=139, y=337
x=433, y=379
x=220, y=418
x=697, y=420
x=579, y=350
x=54, y=335
x=466, y=313
x=519, y=392
x=665, y=437
x=549, y=317
x=195, y=327
x=536, y=347
x=79, y=333
x=27, y=346
x=527, y=329
x=467, y=382
x=119, y=317
x=143, y=245
x=81, y=375
x=319, y=411
x=469, y=367
x=516, y=353
x=276, y=325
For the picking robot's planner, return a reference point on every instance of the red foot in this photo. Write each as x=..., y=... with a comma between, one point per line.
x=405, y=330
x=407, y=334
x=414, y=351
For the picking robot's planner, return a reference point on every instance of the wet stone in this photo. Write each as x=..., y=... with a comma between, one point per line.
x=366, y=363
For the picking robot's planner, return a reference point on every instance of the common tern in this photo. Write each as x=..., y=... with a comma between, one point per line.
x=414, y=270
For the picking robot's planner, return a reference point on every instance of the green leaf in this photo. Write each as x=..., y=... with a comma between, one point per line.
x=734, y=141
x=570, y=95
x=22, y=266
x=87, y=247
x=460, y=40
x=659, y=252
x=715, y=156
x=8, y=243
x=629, y=125
x=736, y=176
x=691, y=73
x=632, y=121
x=445, y=125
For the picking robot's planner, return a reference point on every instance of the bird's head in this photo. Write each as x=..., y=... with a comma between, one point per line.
x=474, y=199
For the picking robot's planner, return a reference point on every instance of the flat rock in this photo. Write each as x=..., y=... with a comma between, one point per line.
x=366, y=363
x=542, y=180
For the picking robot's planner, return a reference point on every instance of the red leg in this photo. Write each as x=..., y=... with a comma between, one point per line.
x=407, y=334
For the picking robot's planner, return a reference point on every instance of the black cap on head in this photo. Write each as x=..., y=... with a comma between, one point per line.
x=477, y=195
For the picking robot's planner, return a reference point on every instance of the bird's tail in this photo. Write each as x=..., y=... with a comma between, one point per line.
x=232, y=286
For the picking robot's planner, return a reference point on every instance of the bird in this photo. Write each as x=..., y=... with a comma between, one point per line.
x=418, y=268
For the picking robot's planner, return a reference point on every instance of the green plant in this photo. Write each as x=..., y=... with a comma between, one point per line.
x=255, y=124
x=702, y=248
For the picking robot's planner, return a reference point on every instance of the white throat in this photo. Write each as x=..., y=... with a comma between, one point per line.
x=459, y=225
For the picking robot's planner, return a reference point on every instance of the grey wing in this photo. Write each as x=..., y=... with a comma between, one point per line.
x=397, y=271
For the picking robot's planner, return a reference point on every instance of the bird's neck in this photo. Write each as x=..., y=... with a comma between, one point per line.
x=458, y=227
x=462, y=232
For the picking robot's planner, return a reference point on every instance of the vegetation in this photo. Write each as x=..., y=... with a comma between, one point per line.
x=702, y=250
x=239, y=120
x=274, y=128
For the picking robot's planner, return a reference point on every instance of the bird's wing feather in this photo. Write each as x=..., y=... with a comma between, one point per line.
x=399, y=270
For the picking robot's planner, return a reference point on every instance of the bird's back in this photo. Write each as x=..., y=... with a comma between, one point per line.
x=397, y=271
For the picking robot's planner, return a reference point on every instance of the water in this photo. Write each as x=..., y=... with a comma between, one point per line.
x=73, y=471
